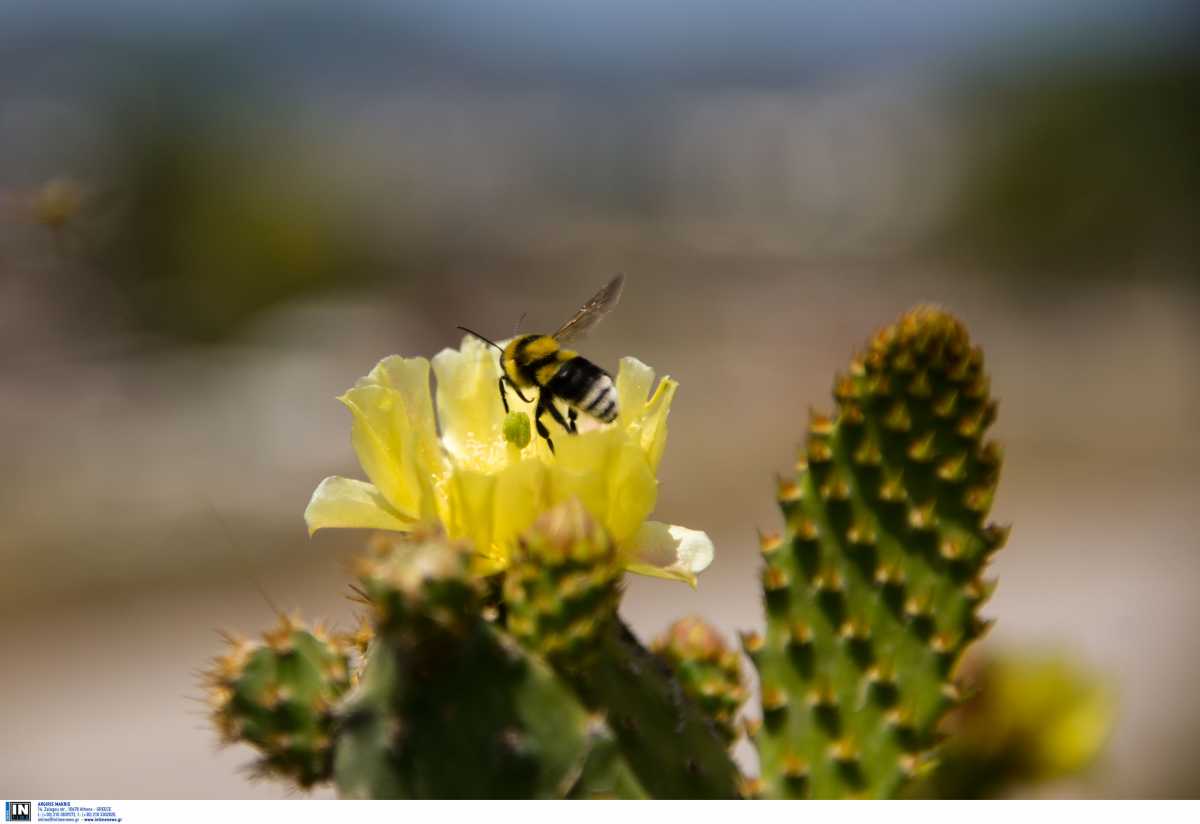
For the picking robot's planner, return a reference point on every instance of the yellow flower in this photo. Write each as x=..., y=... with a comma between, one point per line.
x=488, y=490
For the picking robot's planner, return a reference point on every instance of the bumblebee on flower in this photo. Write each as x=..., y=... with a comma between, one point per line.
x=460, y=470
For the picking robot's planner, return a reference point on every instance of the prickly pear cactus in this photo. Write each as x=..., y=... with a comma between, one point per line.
x=873, y=589
x=561, y=595
x=449, y=707
x=279, y=694
x=709, y=672
x=562, y=589
x=527, y=684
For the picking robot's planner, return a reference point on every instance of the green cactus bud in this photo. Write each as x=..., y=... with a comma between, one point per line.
x=563, y=585
x=709, y=671
x=420, y=585
x=278, y=696
x=871, y=594
x=450, y=707
x=561, y=596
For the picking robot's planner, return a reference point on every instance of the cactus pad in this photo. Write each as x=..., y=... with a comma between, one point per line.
x=278, y=696
x=872, y=592
x=561, y=600
x=450, y=707
x=563, y=586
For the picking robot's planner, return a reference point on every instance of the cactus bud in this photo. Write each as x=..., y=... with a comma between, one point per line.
x=709, y=671
x=277, y=695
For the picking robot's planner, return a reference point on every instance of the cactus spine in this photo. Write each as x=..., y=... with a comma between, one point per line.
x=872, y=592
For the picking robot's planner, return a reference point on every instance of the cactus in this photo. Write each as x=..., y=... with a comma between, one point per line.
x=500, y=667
x=709, y=672
x=278, y=695
x=561, y=595
x=450, y=707
x=872, y=592
x=562, y=589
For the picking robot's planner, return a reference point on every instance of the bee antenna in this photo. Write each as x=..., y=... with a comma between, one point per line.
x=481, y=337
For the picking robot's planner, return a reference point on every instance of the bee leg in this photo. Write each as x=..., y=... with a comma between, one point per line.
x=503, y=396
x=516, y=389
x=541, y=427
x=571, y=416
x=558, y=418
x=504, y=379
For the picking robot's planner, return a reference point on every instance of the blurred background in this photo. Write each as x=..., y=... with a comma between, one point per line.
x=215, y=216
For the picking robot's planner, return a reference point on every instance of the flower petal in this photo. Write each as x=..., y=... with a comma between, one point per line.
x=471, y=506
x=645, y=420
x=632, y=493
x=634, y=380
x=520, y=496
x=609, y=475
x=469, y=407
x=387, y=447
x=347, y=503
x=669, y=551
x=654, y=421
x=410, y=377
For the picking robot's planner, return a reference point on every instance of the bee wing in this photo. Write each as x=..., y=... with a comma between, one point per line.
x=591, y=312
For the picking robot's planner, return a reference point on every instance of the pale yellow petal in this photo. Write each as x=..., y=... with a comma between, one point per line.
x=654, y=421
x=471, y=506
x=387, y=448
x=581, y=470
x=669, y=551
x=347, y=503
x=634, y=380
x=644, y=420
x=469, y=407
x=410, y=377
x=520, y=496
x=632, y=492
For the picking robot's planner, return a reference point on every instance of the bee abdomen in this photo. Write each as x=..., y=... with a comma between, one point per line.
x=586, y=387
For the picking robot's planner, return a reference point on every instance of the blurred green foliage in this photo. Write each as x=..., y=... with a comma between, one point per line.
x=1084, y=169
x=212, y=230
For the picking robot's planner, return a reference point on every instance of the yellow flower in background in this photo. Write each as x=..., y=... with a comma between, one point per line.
x=489, y=490
x=1041, y=714
x=1032, y=717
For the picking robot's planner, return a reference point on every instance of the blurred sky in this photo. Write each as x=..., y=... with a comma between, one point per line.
x=631, y=43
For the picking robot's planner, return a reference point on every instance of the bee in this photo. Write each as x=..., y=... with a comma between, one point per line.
x=539, y=362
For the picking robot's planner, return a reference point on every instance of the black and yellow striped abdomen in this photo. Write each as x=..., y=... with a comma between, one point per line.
x=539, y=361
x=586, y=387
